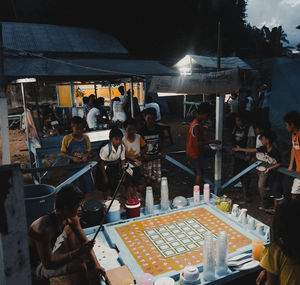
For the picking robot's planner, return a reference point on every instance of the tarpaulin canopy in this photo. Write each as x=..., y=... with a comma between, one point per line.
x=196, y=63
x=210, y=83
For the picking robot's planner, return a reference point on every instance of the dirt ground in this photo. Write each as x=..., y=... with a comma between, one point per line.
x=180, y=182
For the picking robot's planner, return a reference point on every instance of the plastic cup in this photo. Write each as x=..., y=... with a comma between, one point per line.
x=257, y=249
x=206, y=192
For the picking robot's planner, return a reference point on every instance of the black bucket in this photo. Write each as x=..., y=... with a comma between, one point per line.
x=92, y=213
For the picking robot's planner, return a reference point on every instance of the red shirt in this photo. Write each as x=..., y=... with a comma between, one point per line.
x=192, y=148
x=296, y=149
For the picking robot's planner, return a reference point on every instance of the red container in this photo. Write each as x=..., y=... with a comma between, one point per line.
x=133, y=207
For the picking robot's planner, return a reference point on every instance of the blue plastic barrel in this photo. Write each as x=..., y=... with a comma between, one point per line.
x=39, y=200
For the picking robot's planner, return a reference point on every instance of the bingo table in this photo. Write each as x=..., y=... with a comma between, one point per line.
x=163, y=243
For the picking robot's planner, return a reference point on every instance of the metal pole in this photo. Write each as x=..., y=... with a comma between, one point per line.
x=4, y=128
x=110, y=104
x=184, y=105
x=131, y=98
x=26, y=123
x=219, y=123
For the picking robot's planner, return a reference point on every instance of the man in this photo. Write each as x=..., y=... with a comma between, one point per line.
x=97, y=117
x=88, y=105
x=57, y=243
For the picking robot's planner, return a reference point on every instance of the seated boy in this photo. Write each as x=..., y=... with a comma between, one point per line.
x=112, y=157
x=135, y=147
x=57, y=243
x=77, y=148
x=152, y=134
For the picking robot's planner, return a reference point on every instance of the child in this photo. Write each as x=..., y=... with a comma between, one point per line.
x=281, y=259
x=77, y=148
x=292, y=124
x=271, y=156
x=152, y=134
x=196, y=145
x=97, y=117
x=260, y=127
x=135, y=147
x=242, y=136
x=112, y=157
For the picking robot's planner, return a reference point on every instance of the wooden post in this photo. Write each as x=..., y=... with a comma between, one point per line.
x=4, y=128
x=14, y=253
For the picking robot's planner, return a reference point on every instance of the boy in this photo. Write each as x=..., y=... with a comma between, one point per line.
x=112, y=157
x=135, y=147
x=292, y=124
x=197, y=148
x=271, y=156
x=57, y=243
x=152, y=134
x=242, y=136
x=260, y=127
x=76, y=147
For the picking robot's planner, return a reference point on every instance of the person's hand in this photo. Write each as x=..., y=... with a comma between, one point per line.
x=267, y=171
x=85, y=157
x=100, y=271
x=290, y=168
x=86, y=248
x=138, y=162
x=237, y=148
x=76, y=159
x=162, y=154
x=261, y=278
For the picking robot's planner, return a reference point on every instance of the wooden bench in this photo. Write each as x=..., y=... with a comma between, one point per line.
x=166, y=131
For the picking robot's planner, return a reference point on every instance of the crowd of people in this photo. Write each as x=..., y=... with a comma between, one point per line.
x=139, y=144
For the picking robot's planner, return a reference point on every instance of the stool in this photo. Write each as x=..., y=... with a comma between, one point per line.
x=166, y=128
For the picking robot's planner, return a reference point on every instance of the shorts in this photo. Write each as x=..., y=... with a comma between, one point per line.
x=198, y=164
x=42, y=273
x=296, y=186
x=152, y=169
x=136, y=179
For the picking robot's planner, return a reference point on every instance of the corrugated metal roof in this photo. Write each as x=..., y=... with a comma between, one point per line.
x=210, y=63
x=52, y=38
x=16, y=67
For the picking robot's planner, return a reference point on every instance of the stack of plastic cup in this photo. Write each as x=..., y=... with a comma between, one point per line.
x=206, y=192
x=164, y=194
x=196, y=194
x=221, y=254
x=208, y=258
x=149, y=201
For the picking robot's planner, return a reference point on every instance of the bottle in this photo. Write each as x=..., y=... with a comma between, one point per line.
x=206, y=192
x=196, y=194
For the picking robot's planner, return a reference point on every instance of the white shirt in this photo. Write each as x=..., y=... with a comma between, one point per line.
x=91, y=118
x=134, y=147
x=249, y=104
x=119, y=114
x=156, y=107
x=122, y=98
x=114, y=155
x=234, y=105
x=257, y=145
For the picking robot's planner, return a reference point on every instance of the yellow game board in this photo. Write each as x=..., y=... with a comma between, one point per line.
x=173, y=241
